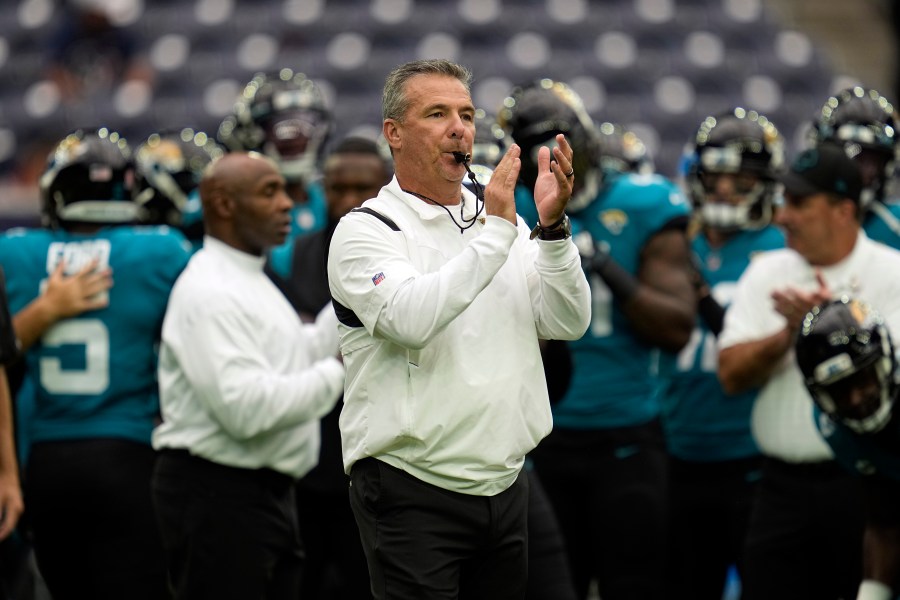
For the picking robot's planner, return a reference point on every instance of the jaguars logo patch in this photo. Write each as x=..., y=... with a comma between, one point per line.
x=614, y=220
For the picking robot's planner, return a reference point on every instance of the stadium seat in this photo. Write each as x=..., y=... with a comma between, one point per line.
x=704, y=53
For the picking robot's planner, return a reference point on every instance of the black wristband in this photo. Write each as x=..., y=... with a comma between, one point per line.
x=712, y=313
x=621, y=283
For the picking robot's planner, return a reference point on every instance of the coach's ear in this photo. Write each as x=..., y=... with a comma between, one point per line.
x=392, y=130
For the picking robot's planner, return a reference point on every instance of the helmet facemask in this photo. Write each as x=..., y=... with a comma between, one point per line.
x=747, y=147
x=857, y=396
x=294, y=140
x=864, y=122
x=754, y=207
x=284, y=116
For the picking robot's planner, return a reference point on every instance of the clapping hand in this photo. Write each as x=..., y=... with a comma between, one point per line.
x=555, y=180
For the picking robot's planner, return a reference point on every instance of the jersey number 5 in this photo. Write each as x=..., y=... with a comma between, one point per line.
x=93, y=335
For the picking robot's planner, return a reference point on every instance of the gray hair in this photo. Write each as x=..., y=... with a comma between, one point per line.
x=394, y=102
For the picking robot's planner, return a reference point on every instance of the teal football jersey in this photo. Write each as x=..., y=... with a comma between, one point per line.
x=701, y=421
x=613, y=381
x=877, y=228
x=94, y=375
x=525, y=207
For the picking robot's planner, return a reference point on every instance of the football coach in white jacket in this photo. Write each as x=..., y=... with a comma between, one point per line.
x=441, y=308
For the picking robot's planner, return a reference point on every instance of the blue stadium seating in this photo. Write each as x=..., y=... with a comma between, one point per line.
x=664, y=42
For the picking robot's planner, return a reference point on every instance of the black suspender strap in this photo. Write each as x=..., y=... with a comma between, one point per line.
x=386, y=220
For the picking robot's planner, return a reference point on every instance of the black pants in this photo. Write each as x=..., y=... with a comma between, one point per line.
x=90, y=510
x=804, y=541
x=709, y=510
x=609, y=491
x=335, y=567
x=549, y=576
x=228, y=533
x=424, y=542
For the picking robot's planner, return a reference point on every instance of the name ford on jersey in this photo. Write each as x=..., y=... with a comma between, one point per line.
x=78, y=255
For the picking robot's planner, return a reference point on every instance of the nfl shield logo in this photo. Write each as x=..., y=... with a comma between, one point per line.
x=378, y=278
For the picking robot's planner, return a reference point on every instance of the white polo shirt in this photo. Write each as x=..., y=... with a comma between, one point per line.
x=444, y=378
x=782, y=419
x=242, y=381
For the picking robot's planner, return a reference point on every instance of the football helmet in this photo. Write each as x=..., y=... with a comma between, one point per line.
x=865, y=122
x=284, y=116
x=847, y=359
x=622, y=151
x=89, y=178
x=747, y=145
x=533, y=114
x=168, y=168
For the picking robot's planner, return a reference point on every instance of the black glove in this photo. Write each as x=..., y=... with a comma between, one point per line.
x=711, y=312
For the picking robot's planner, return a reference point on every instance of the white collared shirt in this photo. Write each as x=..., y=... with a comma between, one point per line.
x=782, y=419
x=242, y=381
x=444, y=378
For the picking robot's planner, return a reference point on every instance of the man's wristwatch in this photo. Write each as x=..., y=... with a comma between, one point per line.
x=560, y=230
